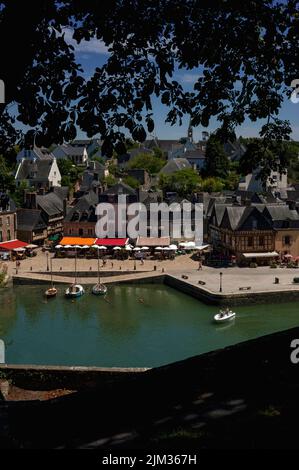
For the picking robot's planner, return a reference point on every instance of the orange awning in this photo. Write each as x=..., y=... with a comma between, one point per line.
x=77, y=241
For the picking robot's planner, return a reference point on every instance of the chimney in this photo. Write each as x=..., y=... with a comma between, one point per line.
x=64, y=206
x=30, y=200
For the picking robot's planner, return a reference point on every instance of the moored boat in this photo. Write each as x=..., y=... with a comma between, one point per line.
x=75, y=290
x=51, y=292
x=99, y=289
x=224, y=315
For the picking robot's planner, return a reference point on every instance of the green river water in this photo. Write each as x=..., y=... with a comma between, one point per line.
x=134, y=326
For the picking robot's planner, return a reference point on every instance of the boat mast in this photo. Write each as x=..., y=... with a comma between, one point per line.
x=99, y=280
x=76, y=265
x=51, y=273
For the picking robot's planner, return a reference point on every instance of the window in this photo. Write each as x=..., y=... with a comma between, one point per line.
x=287, y=240
x=261, y=241
x=254, y=224
x=0, y=221
x=8, y=221
x=80, y=232
x=1, y=237
x=250, y=241
x=8, y=235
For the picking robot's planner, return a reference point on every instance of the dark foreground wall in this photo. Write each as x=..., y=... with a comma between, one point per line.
x=245, y=395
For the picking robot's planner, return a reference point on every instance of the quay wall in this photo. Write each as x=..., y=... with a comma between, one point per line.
x=214, y=298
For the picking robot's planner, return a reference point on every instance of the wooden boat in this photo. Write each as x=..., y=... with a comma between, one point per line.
x=52, y=291
x=73, y=291
x=224, y=316
x=99, y=289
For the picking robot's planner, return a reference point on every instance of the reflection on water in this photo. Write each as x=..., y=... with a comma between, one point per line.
x=132, y=326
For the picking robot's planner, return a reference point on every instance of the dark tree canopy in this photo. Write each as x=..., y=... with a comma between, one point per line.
x=217, y=162
x=254, y=44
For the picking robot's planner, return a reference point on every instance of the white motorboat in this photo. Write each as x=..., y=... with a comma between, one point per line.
x=75, y=290
x=224, y=316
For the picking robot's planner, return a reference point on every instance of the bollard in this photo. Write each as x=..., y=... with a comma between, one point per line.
x=90, y=268
x=155, y=268
x=276, y=280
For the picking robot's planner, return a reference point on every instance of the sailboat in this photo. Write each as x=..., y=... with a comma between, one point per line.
x=99, y=289
x=52, y=291
x=74, y=290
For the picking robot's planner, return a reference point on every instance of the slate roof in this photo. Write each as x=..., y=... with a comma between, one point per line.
x=134, y=152
x=84, y=210
x=120, y=188
x=41, y=167
x=196, y=154
x=219, y=210
x=61, y=191
x=71, y=150
x=164, y=144
x=293, y=195
x=30, y=219
x=234, y=214
x=282, y=216
x=43, y=153
x=175, y=165
x=50, y=203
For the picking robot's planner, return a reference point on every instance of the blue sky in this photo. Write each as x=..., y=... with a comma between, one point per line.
x=91, y=54
x=94, y=53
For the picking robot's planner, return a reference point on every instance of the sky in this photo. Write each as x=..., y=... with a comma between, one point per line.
x=94, y=53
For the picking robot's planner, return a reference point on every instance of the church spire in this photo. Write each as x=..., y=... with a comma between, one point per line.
x=190, y=131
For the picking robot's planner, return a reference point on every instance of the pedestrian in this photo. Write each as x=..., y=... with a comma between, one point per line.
x=200, y=266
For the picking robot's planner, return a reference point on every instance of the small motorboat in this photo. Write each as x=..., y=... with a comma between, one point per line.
x=224, y=316
x=99, y=289
x=75, y=290
x=51, y=292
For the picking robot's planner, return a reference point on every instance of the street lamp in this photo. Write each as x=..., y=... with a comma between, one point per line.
x=47, y=254
x=220, y=288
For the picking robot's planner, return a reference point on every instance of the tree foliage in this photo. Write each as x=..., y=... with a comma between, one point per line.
x=212, y=185
x=248, y=53
x=131, y=181
x=216, y=162
x=148, y=162
x=185, y=182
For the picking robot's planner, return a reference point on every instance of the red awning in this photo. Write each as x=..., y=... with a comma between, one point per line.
x=111, y=241
x=12, y=244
